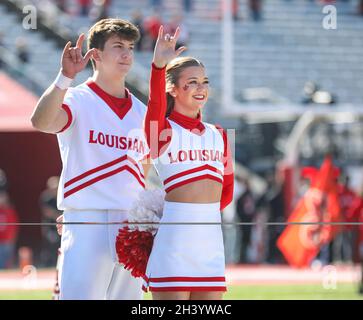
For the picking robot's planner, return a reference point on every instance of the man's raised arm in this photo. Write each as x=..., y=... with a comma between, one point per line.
x=48, y=115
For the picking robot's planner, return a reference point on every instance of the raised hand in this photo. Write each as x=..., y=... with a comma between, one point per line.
x=164, y=50
x=72, y=59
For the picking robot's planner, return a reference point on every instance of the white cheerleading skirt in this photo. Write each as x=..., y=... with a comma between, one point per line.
x=187, y=257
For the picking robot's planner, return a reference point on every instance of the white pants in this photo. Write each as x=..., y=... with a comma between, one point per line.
x=88, y=268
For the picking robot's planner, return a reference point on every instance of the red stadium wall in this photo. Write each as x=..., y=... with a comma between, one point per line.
x=29, y=159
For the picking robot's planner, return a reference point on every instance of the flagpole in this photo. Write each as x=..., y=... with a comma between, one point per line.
x=227, y=56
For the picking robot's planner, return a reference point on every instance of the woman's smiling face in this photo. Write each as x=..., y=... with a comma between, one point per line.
x=192, y=89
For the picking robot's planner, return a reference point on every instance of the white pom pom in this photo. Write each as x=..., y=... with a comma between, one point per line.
x=147, y=208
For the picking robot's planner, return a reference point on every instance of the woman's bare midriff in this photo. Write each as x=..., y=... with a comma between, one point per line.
x=202, y=191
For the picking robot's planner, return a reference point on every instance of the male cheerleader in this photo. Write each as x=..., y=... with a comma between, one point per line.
x=99, y=130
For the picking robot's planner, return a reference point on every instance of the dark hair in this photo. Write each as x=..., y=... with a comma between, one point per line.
x=173, y=70
x=101, y=31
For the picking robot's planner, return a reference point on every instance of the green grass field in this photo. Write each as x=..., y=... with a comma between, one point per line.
x=244, y=292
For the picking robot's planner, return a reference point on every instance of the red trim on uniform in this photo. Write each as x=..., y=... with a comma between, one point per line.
x=204, y=176
x=104, y=166
x=228, y=178
x=134, y=173
x=188, y=279
x=104, y=176
x=185, y=288
x=89, y=172
x=201, y=168
x=70, y=117
x=120, y=106
x=194, y=125
x=188, y=288
x=137, y=166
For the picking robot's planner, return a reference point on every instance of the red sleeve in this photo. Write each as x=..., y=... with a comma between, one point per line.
x=228, y=178
x=155, y=120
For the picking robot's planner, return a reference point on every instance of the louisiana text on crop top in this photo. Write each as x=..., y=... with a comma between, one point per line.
x=185, y=149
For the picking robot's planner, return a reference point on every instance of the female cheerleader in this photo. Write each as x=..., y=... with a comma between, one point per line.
x=193, y=161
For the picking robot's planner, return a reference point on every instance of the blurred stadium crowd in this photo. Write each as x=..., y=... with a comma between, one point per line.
x=283, y=56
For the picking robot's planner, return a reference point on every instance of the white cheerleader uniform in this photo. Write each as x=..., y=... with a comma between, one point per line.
x=101, y=147
x=189, y=257
x=186, y=257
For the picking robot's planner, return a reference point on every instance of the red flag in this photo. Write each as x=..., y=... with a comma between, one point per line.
x=300, y=243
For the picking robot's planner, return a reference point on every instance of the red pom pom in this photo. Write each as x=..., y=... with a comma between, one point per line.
x=133, y=249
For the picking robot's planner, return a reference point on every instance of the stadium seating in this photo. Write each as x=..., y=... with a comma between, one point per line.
x=281, y=52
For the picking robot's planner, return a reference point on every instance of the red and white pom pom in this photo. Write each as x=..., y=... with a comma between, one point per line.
x=133, y=249
x=134, y=242
x=148, y=208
